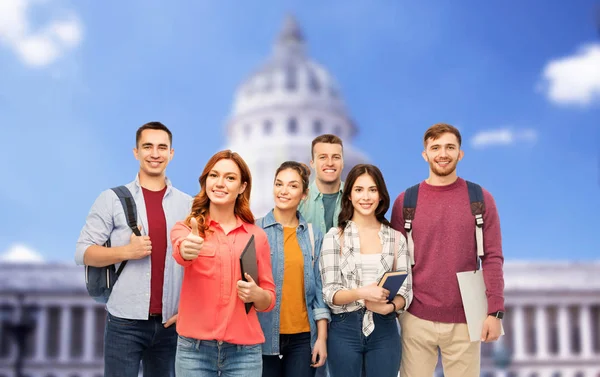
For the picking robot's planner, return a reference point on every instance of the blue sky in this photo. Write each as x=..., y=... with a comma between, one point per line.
x=520, y=79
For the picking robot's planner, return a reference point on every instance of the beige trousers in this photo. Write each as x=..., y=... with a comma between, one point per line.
x=420, y=342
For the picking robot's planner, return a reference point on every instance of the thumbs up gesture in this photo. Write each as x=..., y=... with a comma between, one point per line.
x=139, y=247
x=191, y=245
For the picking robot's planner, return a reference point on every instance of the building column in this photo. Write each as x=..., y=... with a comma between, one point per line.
x=41, y=334
x=65, y=334
x=89, y=336
x=519, y=333
x=541, y=332
x=564, y=333
x=585, y=328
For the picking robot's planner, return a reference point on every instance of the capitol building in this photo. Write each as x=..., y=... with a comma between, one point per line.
x=50, y=327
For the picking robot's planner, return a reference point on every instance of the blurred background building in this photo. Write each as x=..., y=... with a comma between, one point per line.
x=552, y=323
x=51, y=328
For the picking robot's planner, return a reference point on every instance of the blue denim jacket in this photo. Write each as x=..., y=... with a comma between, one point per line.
x=313, y=288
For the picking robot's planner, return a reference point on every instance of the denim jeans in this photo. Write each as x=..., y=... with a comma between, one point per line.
x=296, y=357
x=350, y=350
x=129, y=341
x=211, y=358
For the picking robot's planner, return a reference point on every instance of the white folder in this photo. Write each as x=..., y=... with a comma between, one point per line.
x=472, y=291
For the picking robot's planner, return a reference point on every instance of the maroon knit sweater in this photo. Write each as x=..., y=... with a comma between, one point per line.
x=444, y=237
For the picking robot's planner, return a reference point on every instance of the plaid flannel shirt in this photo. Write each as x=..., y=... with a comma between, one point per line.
x=341, y=270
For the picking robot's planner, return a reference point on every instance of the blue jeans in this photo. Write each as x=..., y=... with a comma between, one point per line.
x=296, y=360
x=209, y=358
x=350, y=351
x=129, y=341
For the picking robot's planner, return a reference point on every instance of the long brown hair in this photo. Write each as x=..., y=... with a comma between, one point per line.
x=347, y=209
x=201, y=203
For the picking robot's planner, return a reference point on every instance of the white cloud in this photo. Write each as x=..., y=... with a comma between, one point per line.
x=36, y=47
x=575, y=79
x=503, y=137
x=20, y=253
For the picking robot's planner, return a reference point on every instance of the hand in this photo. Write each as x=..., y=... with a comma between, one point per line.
x=373, y=292
x=319, y=350
x=248, y=291
x=491, y=329
x=190, y=247
x=171, y=321
x=379, y=308
x=139, y=247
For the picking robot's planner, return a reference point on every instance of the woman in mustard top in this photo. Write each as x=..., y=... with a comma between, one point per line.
x=296, y=330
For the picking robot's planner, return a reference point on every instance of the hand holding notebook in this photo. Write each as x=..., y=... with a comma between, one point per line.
x=249, y=265
x=392, y=281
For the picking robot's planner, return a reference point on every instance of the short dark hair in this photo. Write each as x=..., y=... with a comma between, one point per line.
x=347, y=209
x=434, y=132
x=153, y=126
x=326, y=138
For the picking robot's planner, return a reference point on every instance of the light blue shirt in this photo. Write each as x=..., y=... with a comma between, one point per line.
x=130, y=297
x=313, y=211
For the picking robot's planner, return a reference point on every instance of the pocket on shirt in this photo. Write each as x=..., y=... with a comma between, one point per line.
x=208, y=250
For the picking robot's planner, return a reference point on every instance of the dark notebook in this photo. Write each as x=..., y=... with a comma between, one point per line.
x=392, y=281
x=249, y=265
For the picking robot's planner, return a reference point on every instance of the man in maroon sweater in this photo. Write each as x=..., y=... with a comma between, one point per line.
x=443, y=230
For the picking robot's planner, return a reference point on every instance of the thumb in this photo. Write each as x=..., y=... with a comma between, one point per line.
x=139, y=228
x=249, y=278
x=194, y=226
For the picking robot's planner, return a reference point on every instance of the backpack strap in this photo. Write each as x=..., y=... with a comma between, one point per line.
x=311, y=235
x=408, y=212
x=396, y=245
x=477, y=209
x=130, y=210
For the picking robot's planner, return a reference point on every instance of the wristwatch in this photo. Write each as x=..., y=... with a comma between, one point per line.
x=499, y=314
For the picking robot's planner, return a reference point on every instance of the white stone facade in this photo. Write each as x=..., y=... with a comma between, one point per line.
x=552, y=322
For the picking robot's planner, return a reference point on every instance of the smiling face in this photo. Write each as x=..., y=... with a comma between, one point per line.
x=364, y=196
x=224, y=183
x=443, y=155
x=154, y=152
x=288, y=190
x=328, y=162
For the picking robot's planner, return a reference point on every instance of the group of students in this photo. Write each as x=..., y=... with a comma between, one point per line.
x=179, y=306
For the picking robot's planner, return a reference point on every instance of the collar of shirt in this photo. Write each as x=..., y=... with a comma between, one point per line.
x=138, y=187
x=314, y=193
x=269, y=220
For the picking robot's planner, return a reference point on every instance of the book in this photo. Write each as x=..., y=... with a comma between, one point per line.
x=472, y=292
x=392, y=281
x=249, y=265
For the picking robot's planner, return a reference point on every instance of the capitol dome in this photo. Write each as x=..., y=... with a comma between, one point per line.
x=280, y=108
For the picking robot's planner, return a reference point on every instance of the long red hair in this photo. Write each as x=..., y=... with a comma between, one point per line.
x=201, y=203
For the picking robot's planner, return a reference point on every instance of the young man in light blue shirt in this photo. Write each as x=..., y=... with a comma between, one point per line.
x=322, y=206
x=142, y=307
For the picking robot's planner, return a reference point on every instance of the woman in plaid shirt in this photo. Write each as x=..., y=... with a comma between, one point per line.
x=363, y=333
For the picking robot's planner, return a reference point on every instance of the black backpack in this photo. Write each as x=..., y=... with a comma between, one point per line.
x=477, y=209
x=100, y=281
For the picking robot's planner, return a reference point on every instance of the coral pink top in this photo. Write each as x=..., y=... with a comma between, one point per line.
x=209, y=307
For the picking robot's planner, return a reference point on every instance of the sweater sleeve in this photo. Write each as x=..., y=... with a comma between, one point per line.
x=178, y=234
x=492, y=260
